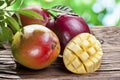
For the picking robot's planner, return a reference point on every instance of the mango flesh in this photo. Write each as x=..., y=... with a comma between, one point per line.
x=36, y=48
x=83, y=54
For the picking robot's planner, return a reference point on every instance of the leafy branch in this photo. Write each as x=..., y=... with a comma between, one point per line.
x=9, y=25
x=62, y=9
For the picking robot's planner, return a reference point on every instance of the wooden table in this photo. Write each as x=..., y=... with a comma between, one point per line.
x=109, y=70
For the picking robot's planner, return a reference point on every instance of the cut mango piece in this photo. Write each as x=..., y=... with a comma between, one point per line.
x=83, y=54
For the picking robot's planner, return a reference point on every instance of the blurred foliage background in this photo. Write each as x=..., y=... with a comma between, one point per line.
x=95, y=12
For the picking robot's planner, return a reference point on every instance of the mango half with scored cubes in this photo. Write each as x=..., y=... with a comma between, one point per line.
x=83, y=54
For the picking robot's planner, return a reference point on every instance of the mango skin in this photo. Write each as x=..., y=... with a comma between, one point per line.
x=28, y=21
x=68, y=26
x=36, y=48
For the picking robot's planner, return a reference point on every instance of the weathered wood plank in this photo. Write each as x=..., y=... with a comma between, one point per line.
x=109, y=70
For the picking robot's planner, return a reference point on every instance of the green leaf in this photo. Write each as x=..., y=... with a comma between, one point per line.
x=2, y=23
x=1, y=3
x=2, y=13
x=30, y=13
x=5, y=34
x=18, y=18
x=1, y=18
x=13, y=24
x=62, y=9
x=10, y=2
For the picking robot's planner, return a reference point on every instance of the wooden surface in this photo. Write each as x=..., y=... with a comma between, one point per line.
x=109, y=70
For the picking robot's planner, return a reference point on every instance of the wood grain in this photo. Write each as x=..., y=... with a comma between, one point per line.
x=109, y=70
